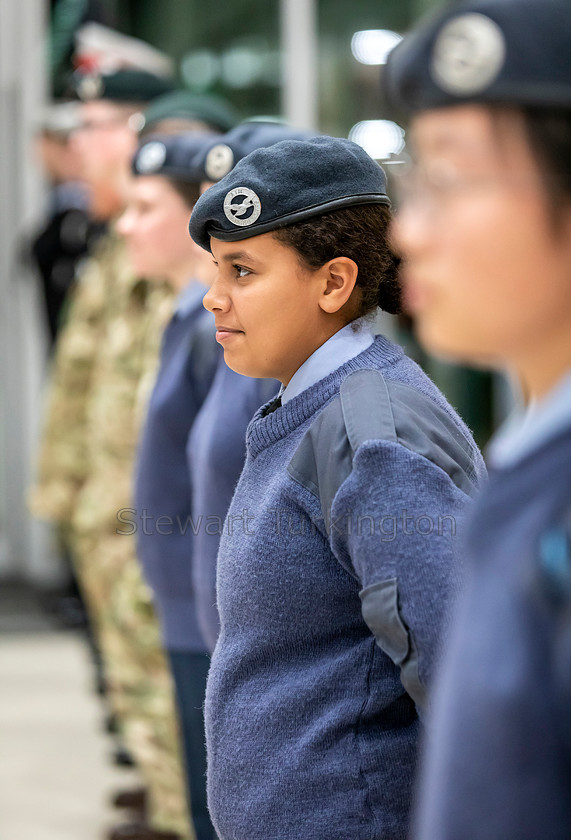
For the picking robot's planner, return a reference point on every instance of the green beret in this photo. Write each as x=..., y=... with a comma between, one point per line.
x=121, y=86
x=184, y=105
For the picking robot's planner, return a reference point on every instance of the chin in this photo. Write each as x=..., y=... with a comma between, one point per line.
x=440, y=342
x=241, y=367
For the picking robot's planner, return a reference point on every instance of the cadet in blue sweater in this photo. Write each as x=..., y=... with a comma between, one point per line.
x=166, y=185
x=485, y=227
x=338, y=558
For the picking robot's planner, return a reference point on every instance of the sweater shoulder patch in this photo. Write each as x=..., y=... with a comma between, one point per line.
x=370, y=407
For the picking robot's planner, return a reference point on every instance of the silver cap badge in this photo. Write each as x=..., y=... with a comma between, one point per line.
x=242, y=206
x=468, y=54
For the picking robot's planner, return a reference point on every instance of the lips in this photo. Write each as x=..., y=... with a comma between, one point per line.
x=223, y=333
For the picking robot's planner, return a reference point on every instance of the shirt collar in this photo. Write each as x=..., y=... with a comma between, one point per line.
x=347, y=343
x=528, y=429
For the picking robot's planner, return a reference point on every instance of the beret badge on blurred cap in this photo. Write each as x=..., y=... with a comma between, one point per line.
x=468, y=54
x=90, y=86
x=242, y=206
x=150, y=158
x=219, y=161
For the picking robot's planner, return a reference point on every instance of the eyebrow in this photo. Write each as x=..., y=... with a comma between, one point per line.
x=237, y=255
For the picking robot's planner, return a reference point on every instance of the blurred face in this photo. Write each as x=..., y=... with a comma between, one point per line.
x=266, y=307
x=488, y=275
x=105, y=145
x=58, y=158
x=155, y=228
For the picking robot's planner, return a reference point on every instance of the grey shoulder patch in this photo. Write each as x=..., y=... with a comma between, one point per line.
x=370, y=407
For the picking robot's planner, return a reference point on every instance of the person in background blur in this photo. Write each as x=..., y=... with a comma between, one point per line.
x=110, y=346
x=217, y=444
x=485, y=231
x=68, y=234
x=165, y=186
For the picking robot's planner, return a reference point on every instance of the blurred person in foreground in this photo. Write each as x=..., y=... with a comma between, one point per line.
x=485, y=230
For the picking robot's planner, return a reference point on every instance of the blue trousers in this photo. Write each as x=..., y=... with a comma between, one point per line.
x=189, y=671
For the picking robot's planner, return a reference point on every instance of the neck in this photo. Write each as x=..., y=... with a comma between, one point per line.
x=327, y=331
x=539, y=371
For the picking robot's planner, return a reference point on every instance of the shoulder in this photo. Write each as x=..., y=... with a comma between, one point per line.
x=371, y=407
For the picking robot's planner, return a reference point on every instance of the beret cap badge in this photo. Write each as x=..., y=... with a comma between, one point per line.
x=151, y=157
x=90, y=86
x=219, y=161
x=242, y=207
x=468, y=54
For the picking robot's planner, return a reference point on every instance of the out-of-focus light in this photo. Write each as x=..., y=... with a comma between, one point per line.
x=372, y=46
x=200, y=69
x=379, y=138
x=241, y=67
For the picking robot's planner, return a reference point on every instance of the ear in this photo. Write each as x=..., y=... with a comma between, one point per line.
x=339, y=278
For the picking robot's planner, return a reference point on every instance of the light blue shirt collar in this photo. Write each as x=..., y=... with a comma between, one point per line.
x=528, y=429
x=347, y=343
x=189, y=298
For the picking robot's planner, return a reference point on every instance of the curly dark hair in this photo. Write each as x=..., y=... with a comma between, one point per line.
x=361, y=233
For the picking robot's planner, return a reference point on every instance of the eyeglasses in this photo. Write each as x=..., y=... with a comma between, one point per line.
x=434, y=187
x=102, y=125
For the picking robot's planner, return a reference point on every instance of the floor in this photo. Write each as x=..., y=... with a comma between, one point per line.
x=56, y=777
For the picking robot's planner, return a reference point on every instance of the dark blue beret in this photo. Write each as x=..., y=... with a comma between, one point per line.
x=286, y=183
x=176, y=156
x=243, y=139
x=513, y=52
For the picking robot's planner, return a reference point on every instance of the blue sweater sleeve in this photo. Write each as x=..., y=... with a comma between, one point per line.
x=393, y=526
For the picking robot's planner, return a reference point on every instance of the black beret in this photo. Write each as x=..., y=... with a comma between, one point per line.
x=182, y=104
x=176, y=156
x=513, y=52
x=243, y=139
x=284, y=184
x=121, y=86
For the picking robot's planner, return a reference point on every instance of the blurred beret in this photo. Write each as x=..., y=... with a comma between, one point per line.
x=287, y=183
x=243, y=139
x=121, y=86
x=184, y=105
x=176, y=156
x=513, y=52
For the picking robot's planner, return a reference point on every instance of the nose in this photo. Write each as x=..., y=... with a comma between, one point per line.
x=216, y=298
x=124, y=224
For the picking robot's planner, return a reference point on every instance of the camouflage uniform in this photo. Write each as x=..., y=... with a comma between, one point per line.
x=104, y=363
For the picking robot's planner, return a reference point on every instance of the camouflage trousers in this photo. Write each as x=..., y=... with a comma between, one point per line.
x=139, y=681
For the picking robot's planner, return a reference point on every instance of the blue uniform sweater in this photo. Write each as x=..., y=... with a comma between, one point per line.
x=188, y=361
x=310, y=733
x=499, y=763
x=216, y=454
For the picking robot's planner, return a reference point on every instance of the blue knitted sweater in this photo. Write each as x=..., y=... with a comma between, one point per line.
x=189, y=356
x=310, y=732
x=499, y=764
